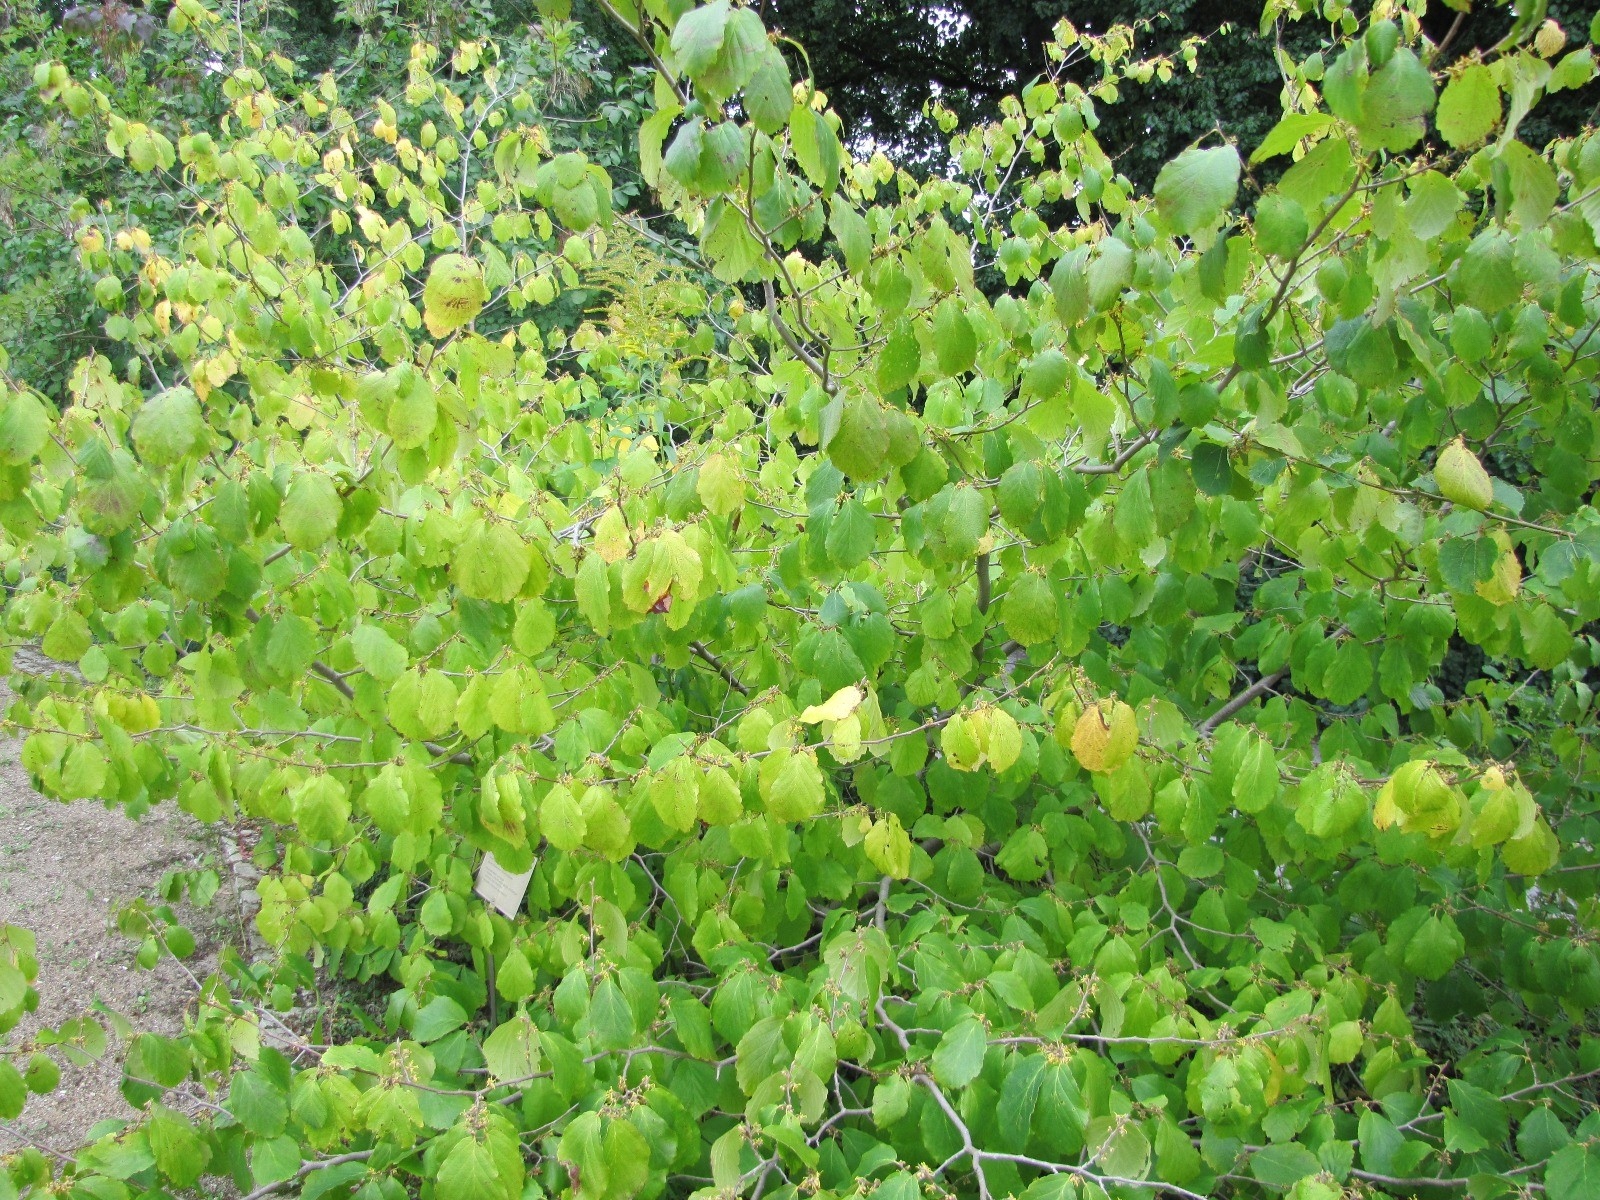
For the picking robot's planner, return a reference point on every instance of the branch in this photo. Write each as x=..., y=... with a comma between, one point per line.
x=719, y=666
x=349, y=693
x=1391, y=1181
x=972, y=1152
x=1264, y=684
x=637, y=33
x=267, y=1189
x=1116, y=464
x=789, y=340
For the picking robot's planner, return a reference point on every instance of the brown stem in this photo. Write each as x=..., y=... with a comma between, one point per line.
x=1260, y=686
x=719, y=666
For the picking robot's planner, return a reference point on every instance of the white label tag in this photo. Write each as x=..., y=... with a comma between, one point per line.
x=500, y=887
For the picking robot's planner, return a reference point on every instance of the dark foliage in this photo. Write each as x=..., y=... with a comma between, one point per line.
x=881, y=61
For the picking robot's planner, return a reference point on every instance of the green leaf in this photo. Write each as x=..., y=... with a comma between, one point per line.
x=955, y=343
x=860, y=446
x=791, y=784
x=258, y=1103
x=13, y=1092
x=1197, y=187
x=900, y=359
x=24, y=426
x=682, y=159
x=697, y=39
x=1212, y=469
x=816, y=147
x=1120, y=1146
x=471, y=1172
x=1465, y=562
x=1110, y=271
x=1433, y=204
x=1469, y=109
x=888, y=847
x=422, y=704
x=435, y=916
x=1019, y=1096
x=1256, y=784
x=958, y=1057
x=310, y=512
x=561, y=820
x=1349, y=674
x=161, y=1060
x=1281, y=225
x=413, y=413
x=1029, y=611
x=113, y=491
x=274, y=1160
x=891, y=1099
x=1486, y=276
x=1481, y=1110
x=610, y=1016
x=1398, y=98
x=1290, y=130
x=439, y=1016
x=724, y=155
x=168, y=427
x=180, y=1152
x=1177, y=1159
x=1573, y=1173
x=855, y=239
x=761, y=1053
x=292, y=646
x=744, y=48
x=512, y=1050
x=320, y=1182
x=1434, y=948
x=379, y=654
x=493, y=563
x=68, y=637
x=1546, y=640
x=851, y=535
x=1531, y=182
x=83, y=773
x=1283, y=1165
x=769, y=96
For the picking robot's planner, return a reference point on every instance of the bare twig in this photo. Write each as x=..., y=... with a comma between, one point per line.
x=719, y=666
x=1265, y=684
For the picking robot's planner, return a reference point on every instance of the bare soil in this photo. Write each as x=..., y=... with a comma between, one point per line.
x=65, y=870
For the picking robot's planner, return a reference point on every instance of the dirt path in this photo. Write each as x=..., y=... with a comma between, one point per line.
x=65, y=869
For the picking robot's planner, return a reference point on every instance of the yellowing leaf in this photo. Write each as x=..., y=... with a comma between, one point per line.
x=835, y=708
x=720, y=486
x=1461, y=478
x=1105, y=735
x=492, y=563
x=1003, y=741
x=888, y=847
x=1502, y=586
x=454, y=294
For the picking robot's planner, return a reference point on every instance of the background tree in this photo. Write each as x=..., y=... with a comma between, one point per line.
x=882, y=61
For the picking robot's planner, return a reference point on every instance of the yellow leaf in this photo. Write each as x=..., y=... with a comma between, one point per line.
x=611, y=541
x=835, y=708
